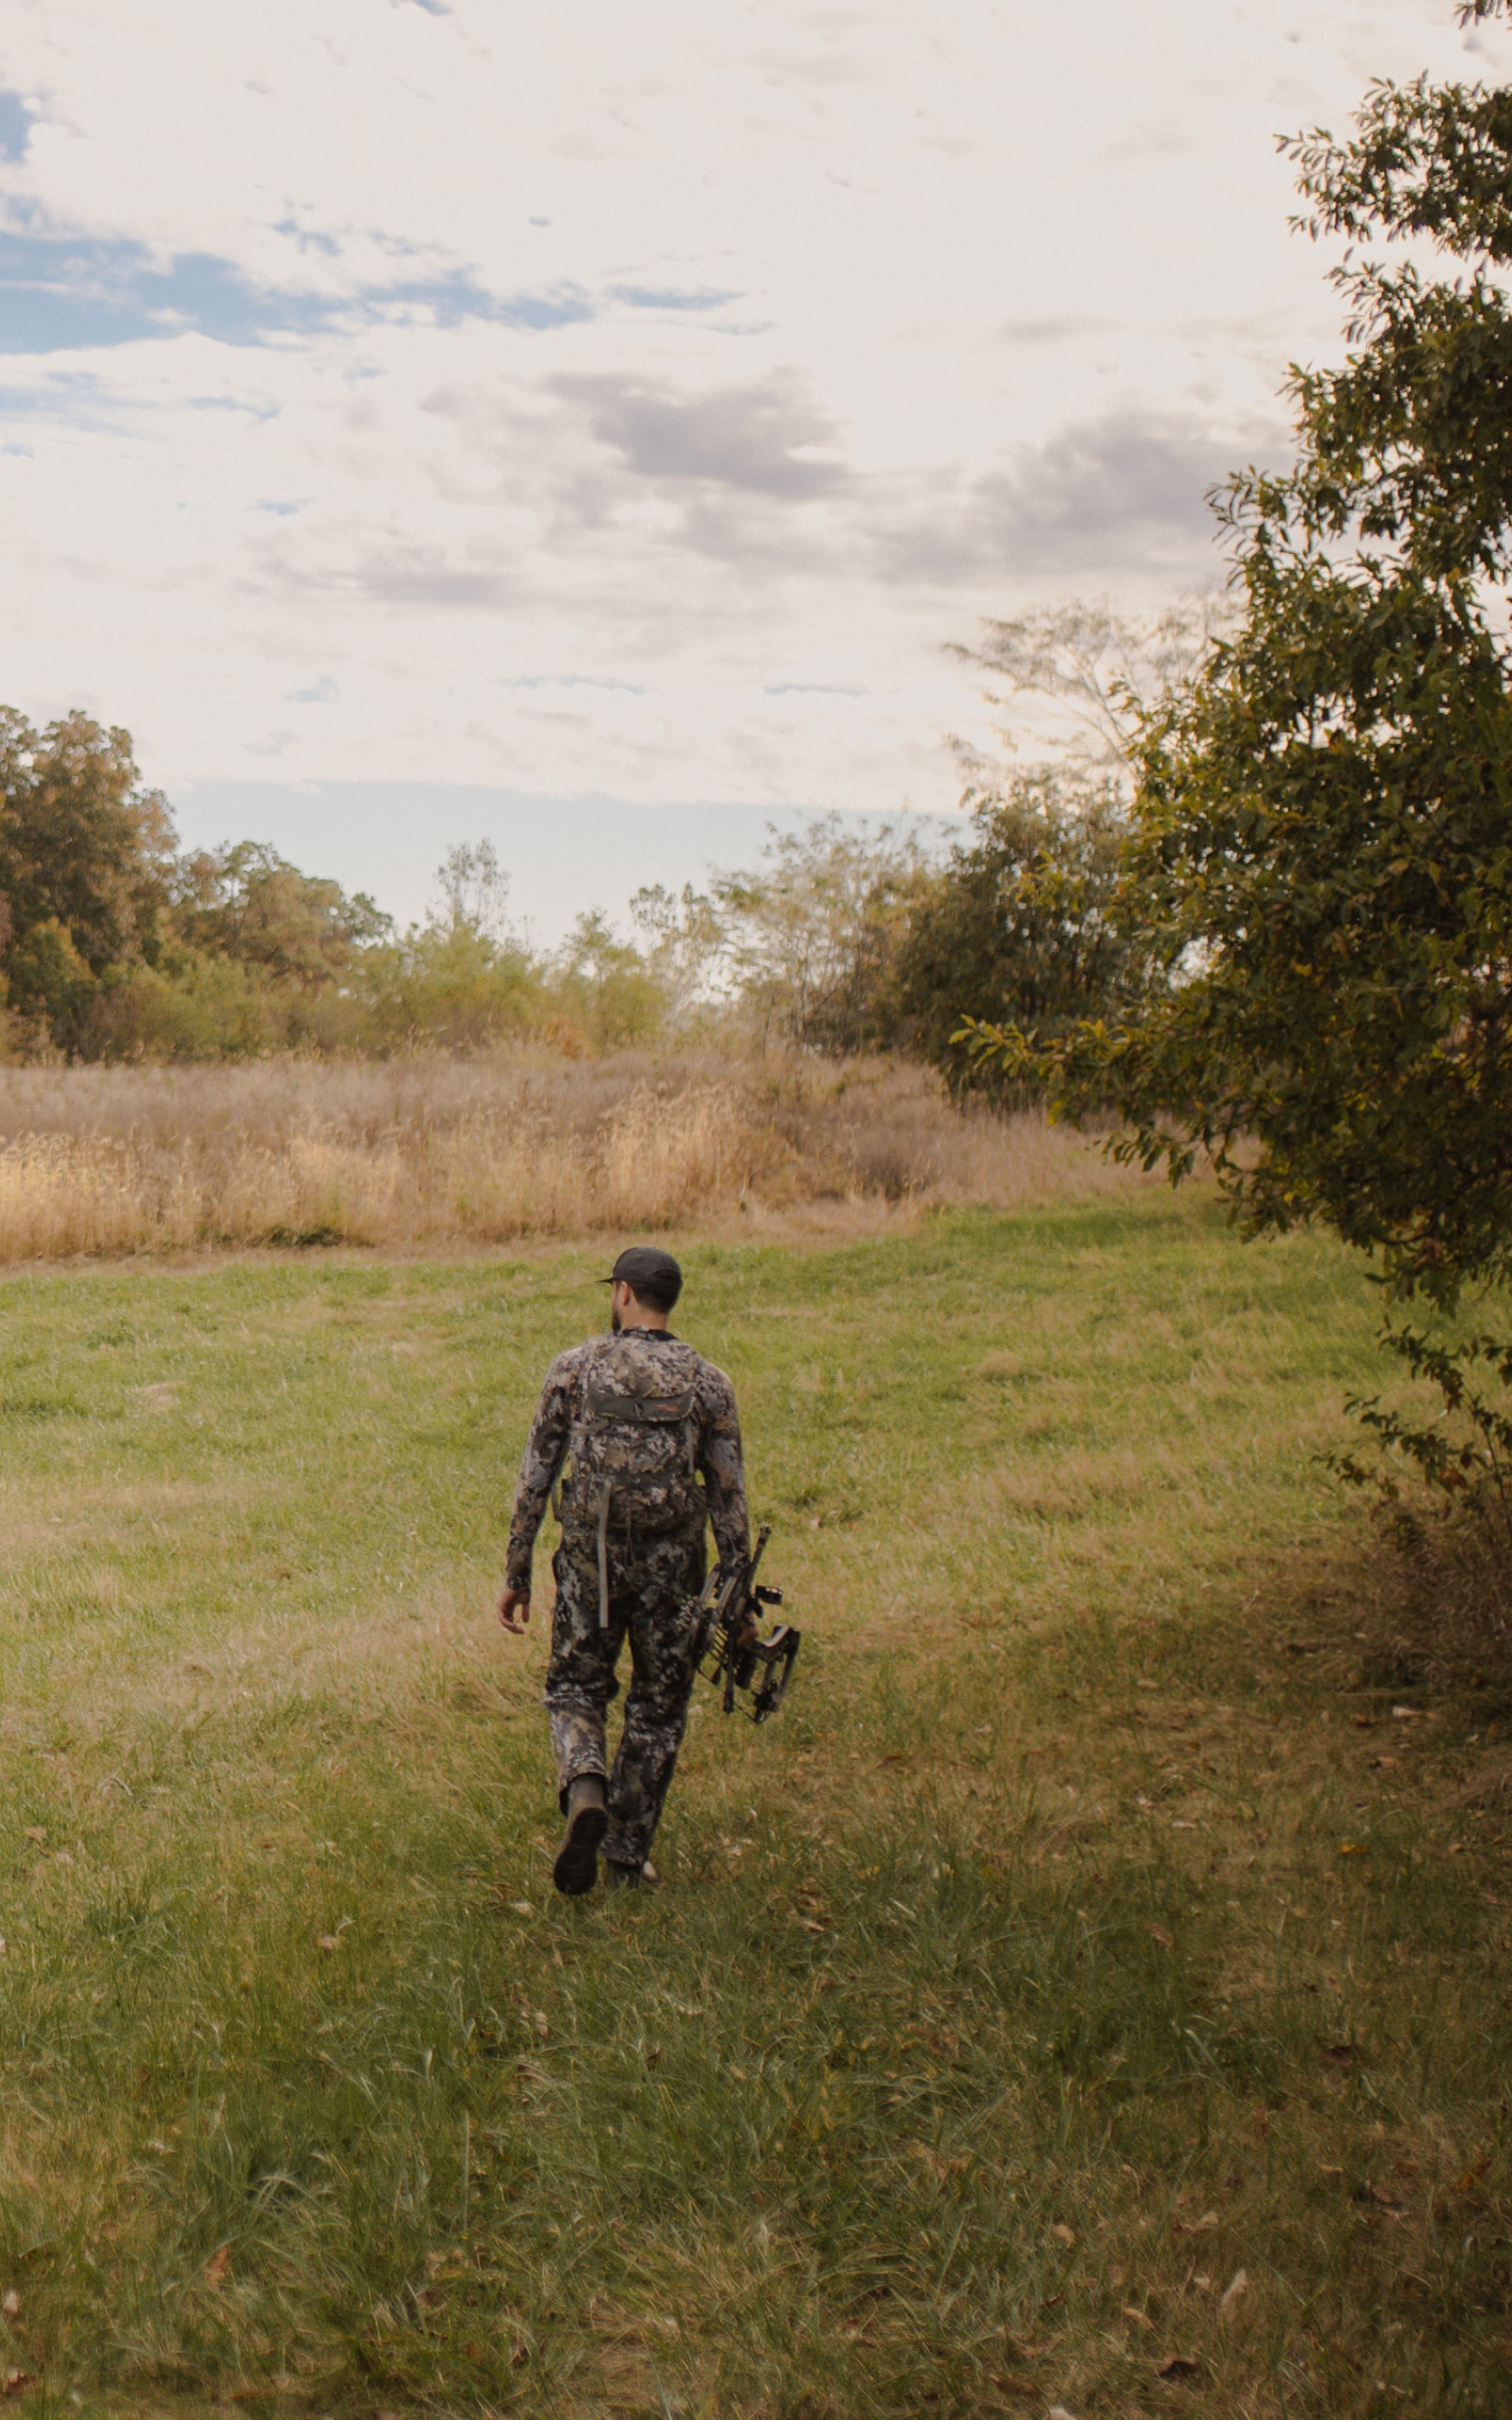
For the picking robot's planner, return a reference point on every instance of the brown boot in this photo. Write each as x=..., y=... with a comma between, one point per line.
x=577, y=1867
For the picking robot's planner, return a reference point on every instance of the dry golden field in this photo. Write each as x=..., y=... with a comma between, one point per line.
x=439, y=1151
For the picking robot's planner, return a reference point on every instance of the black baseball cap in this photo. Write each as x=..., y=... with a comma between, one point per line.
x=651, y=1270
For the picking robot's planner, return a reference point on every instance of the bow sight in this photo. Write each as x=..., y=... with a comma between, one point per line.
x=728, y=1648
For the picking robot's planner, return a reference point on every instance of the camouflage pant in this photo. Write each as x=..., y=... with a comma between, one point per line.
x=649, y=1584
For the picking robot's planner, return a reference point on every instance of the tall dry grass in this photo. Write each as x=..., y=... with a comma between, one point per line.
x=116, y=1160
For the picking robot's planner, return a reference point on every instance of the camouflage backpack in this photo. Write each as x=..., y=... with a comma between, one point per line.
x=631, y=1466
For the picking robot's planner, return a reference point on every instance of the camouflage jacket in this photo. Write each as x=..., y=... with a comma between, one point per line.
x=648, y=1467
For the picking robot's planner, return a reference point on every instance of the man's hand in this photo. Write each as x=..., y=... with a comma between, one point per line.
x=514, y=1609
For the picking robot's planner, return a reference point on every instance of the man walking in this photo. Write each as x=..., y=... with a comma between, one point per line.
x=626, y=1427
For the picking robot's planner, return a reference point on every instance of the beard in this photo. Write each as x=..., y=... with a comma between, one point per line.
x=614, y=1318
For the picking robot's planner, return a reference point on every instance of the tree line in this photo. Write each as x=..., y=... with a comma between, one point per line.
x=116, y=944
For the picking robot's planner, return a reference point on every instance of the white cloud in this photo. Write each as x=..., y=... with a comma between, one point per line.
x=629, y=401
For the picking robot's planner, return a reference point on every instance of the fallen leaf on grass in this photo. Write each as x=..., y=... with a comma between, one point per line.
x=15, y=2382
x=11, y=2304
x=436, y=2261
x=1059, y=2411
x=34, y=1832
x=215, y=2268
x=521, y=1907
x=328, y=1940
x=1369, y=2192
x=1062, y=2233
x=1354, y=1848
x=931, y=2158
x=1141, y=2318
x=1238, y=2283
x=1158, y=1932
x=1181, y=2365
x=1342, y=2051
x=1198, y=2227
x=1471, y=2177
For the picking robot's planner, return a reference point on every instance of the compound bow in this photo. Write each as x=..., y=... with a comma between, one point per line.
x=728, y=1648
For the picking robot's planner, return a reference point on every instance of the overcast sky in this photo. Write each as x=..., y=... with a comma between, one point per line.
x=425, y=417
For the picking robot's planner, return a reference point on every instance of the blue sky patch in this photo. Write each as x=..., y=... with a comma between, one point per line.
x=75, y=399
x=15, y=127
x=61, y=293
x=674, y=298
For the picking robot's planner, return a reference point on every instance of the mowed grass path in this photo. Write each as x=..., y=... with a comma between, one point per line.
x=1082, y=1977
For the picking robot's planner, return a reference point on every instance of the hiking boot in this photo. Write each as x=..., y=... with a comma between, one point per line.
x=577, y=1867
x=631, y=1878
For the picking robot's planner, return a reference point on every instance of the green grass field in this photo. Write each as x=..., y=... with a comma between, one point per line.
x=1089, y=1972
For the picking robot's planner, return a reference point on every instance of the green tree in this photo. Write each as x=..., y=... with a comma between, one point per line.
x=244, y=902
x=1321, y=847
x=50, y=984
x=86, y=860
x=1022, y=923
x=475, y=891
x=684, y=942
x=604, y=988
x=812, y=934
x=197, y=1006
x=460, y=981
